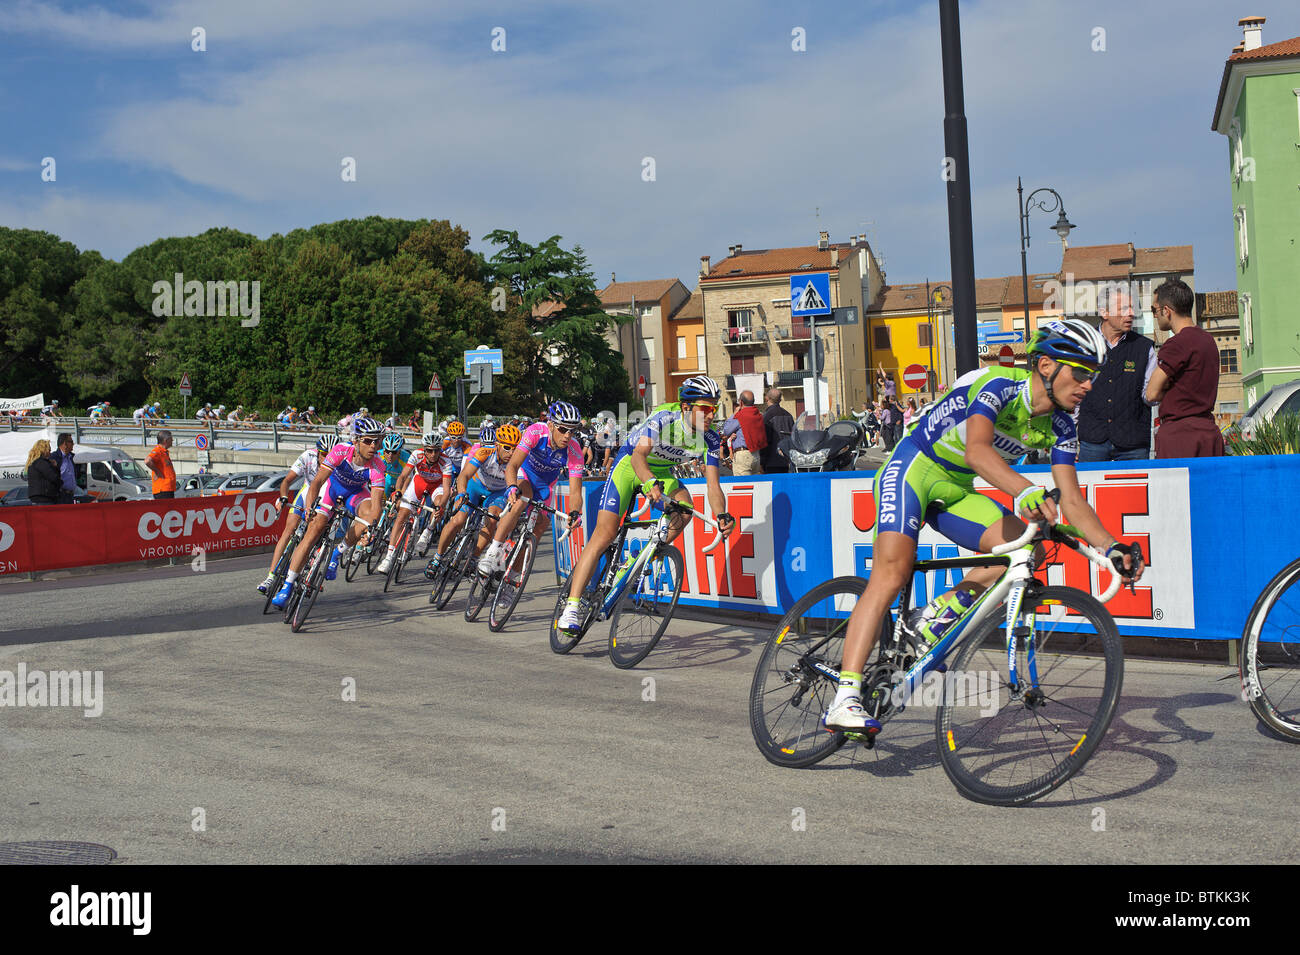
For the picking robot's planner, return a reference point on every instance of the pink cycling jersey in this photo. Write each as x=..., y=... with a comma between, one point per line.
x=346, y=480
x=545, y=463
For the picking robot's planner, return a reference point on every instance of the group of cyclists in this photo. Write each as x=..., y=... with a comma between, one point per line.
x=985, y=422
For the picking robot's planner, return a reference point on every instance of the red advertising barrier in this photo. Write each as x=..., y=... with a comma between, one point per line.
x=37, y=538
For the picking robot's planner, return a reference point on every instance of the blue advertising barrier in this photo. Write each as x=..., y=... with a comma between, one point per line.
x=1215, y=531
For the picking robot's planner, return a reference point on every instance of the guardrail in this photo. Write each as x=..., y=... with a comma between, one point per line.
x=270, y=436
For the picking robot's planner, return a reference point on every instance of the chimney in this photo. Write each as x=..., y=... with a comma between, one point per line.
x=1132, y=254
x=823, y=240
x=1252, y=31
x=835, y=257
x=612, y=278
x=739, y=247
x=731, y=250
x=704, y=265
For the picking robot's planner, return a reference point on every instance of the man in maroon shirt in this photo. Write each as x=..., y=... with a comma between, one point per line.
x=1185, y=380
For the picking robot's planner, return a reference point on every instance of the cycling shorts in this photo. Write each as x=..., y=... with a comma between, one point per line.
x=541, y=487
x=622, y=485
x=479, y=496
x=913, y=489
x=333, y=491
x=417, y=487
x=299, y=505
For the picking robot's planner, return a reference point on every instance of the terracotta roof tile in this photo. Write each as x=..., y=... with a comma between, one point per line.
x=1216, y=304
x=622, y=293
x=1119, y=260
x=1270, y=51
x=805, y=258
x=1037, y=289
x=898, y=298
x=547, y=309
x=692, y=308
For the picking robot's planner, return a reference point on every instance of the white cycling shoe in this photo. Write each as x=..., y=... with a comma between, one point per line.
x=570, y=618
x=489, y=565
x=849, y=715
x=385, y=563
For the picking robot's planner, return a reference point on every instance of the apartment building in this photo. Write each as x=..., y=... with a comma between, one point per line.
x=645, y=341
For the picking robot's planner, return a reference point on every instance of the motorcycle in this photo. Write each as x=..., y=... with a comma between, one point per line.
x=809, y=448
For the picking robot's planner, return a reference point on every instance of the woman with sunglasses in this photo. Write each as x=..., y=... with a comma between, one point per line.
x=989, y=418
x=674, y=434
x=354, y=474
x=545, y=451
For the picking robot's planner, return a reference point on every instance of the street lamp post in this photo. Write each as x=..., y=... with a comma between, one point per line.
x=933, y=297
x=1062, y=228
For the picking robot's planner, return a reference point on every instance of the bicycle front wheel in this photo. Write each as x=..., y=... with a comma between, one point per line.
x=399, y=555
x=480, y=589
x=1008, y=745
x=315, y=581
x=644, y=608
x=793, y=686
x=1270, y=655
x=452, y=571
x=512, y=584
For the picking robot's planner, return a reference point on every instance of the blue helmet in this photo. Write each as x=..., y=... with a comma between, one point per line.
x=394, y=442
x=700, y=387
x=487, y=435
x=366, y=426
x=561, y=412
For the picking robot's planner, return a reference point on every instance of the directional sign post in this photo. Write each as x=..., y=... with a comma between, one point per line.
x=483, y=353
x=393, y=380
x=480, y=378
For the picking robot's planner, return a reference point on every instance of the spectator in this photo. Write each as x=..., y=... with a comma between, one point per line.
x=607, y=443
x=160, y=463
x=42, y=475
x=62, y=458
x=778, y=424
x=1115, y=417
x=884, y=383
x=748, y=436
x=887, y=423
x=909, y=412
x=1186, y=380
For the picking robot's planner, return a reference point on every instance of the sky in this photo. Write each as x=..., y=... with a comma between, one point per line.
x=748, y=139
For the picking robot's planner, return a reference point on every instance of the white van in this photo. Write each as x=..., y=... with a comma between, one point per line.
x=117, y=479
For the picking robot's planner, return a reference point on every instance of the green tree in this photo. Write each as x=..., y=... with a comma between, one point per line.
x=590, y=372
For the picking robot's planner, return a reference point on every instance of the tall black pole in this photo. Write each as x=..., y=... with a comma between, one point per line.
x=1024, y=263
x=961, y=241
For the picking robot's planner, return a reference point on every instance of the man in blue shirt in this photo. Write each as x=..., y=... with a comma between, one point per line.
x=67, y=469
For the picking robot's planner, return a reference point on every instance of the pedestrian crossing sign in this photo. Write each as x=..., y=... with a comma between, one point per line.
x=810, y=294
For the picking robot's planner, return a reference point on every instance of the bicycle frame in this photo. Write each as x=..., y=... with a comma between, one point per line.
x=1010, y=587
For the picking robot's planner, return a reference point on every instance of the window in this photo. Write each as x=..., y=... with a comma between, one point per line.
x=1247, y=329
x=1289, y=407
x=1234, y=135
x=742, y=319
x=1228, y=361
x=699, y=351
x=800, y=361
x=1228, y=407
x=880, y=338
x=1243, y=241
x=742, y=366
x=681, y=346
x=99, y=471
x=924, y=337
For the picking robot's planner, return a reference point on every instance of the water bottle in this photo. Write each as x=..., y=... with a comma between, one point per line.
x=947, y=611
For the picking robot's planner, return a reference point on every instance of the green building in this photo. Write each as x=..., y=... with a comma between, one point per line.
x=1259, y=111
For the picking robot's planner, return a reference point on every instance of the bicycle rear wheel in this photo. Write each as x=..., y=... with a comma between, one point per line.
x=793, y=685
x=1007, y=746
x=644, y=608
x=480, y=591
x=512, y=584
x=1270, y=655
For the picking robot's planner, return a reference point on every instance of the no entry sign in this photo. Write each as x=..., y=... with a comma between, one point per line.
x=914, y=376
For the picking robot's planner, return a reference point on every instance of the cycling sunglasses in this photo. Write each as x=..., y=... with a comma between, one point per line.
x=705, y=407
x=564, y=429
x=1081, y=373
x=370, y=441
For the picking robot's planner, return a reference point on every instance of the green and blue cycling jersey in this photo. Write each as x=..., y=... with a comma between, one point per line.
x=671, y=444
x=926, y=478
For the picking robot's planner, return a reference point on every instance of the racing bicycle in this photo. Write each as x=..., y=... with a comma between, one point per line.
x=459, y=560
x=1015, y=719
x=519, y=564
x=637, y=594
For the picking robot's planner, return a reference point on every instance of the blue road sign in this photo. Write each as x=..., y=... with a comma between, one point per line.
x=810, y=294
x=491, y=355
x=1003, y=338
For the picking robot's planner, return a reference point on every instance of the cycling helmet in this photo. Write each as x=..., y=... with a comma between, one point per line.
x=326, y=441
x=561, y=412
x=394, y=442
x=508, y=435
x=456, y=429
x=487, y=434
x=701, y=387
x=366, y=426
x=432, y=439
x=1070, y=339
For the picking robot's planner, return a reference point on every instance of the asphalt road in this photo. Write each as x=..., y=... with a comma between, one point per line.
x=466, y=745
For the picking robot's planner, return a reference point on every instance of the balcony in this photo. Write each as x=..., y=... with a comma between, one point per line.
x=795, y=336
x=685, y=366
x=743, y=339
x=791, y=379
